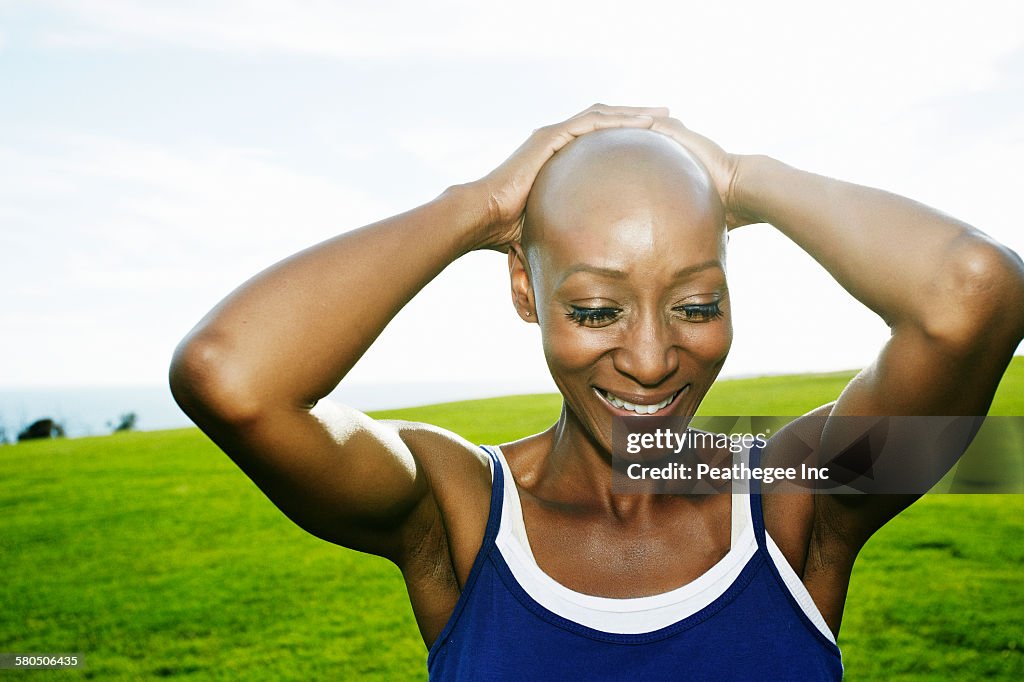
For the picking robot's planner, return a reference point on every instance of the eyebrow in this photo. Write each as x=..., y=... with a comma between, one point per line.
x=612, y=273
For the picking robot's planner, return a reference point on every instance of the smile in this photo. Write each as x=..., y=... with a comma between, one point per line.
x=638, y=408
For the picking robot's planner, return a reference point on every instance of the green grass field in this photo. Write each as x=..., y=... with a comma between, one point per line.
x=154, y=556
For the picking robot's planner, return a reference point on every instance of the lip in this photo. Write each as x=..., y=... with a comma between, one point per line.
x=638, y=399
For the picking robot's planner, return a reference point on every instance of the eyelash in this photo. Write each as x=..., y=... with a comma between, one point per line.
x=707, y=311
x=586, y=317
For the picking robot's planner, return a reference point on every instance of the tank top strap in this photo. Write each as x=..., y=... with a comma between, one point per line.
x=756, y=512
x=497, y=494
x=488, y=544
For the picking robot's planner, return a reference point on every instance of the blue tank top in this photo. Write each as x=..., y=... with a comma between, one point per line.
x=748, y=617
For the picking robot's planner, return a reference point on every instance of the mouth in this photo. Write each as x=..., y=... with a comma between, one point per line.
x=640, y=405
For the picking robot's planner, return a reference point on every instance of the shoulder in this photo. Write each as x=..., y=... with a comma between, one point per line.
x=442, y=541
x=458, y=475
x=447, y=459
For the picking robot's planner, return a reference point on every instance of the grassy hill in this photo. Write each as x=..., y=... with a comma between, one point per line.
x=154, y=556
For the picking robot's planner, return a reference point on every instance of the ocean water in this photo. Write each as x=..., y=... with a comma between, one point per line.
x=87, y=411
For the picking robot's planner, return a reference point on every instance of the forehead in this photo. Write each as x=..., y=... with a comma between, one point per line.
x=651, y=251
x=625, y=199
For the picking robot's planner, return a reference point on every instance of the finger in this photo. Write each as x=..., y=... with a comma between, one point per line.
x=667, y=123
x=547, y=140
x=607, y=109
x=670, y=127
x=595, y=120
x=650, y=111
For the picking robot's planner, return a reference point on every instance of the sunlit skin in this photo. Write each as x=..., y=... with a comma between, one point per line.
x=622, y=264
x=624, y=244
x=614, y=221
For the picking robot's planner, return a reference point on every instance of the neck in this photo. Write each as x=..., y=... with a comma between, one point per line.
x=574, y=468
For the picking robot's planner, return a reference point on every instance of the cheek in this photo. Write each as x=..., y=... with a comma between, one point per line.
x=570, y=348
x=707, y=344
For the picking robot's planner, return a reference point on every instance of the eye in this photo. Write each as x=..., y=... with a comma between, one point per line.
x=701, y=312
x=592, y=317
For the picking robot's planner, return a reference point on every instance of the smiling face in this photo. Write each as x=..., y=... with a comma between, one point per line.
x=624, y=243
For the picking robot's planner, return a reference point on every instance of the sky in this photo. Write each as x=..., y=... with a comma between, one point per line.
x=155, y=155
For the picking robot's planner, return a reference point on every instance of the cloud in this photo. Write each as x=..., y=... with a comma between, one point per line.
x=116, y=246
x=113, y=243
x=224, y=194
x=723, y=36
x=752, y=66
x=459, y=152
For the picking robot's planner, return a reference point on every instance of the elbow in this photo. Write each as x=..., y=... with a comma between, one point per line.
x=209, y=384
x=981, y=301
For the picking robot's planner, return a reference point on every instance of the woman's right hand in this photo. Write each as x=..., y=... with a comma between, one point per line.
x=504, y=190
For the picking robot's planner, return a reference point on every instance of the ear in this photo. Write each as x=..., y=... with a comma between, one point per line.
x=522, y=290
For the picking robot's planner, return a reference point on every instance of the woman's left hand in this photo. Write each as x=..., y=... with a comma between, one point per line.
x=722, y=166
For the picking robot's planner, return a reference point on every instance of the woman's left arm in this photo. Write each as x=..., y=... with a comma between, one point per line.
x=952, y=296
x=947, y=291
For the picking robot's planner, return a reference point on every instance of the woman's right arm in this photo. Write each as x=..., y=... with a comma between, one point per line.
x=252, y=372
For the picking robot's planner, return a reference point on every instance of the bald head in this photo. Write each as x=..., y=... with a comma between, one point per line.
x=625, y=177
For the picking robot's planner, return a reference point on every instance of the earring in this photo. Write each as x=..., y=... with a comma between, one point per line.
x=528, y=313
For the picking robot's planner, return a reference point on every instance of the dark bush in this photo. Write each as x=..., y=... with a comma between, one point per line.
x=126, y=422
x=41, y=428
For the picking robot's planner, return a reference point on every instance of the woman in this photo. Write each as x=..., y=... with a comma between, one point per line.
x=520, y=561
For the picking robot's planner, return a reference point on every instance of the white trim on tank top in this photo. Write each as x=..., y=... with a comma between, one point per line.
x=639, y=615
x=620, y=616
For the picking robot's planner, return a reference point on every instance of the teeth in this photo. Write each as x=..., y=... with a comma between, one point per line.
x=639, y=409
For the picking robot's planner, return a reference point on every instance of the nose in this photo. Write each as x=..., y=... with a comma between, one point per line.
x=647, y=354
